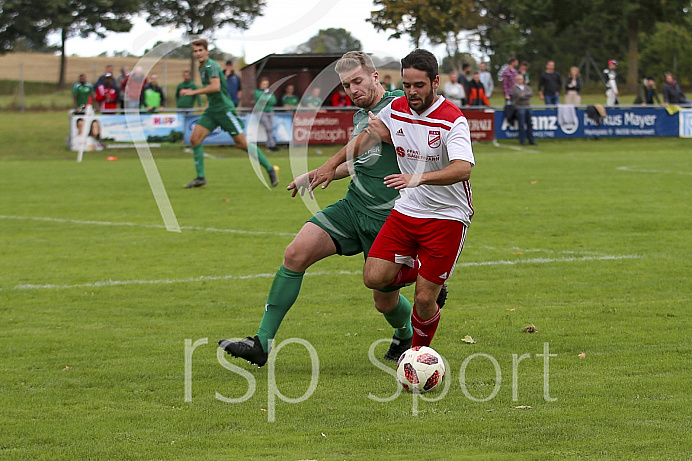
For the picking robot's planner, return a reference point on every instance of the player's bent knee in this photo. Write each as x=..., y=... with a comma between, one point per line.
x=295, y=259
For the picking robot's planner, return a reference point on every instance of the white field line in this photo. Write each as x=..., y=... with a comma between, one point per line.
x=635, y=169
x=517, y=149
x=110, y=283
x=146, y=226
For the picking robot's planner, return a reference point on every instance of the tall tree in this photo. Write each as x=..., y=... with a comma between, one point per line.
x=34, y=20
x=331, y=40
x=440, y=21
x=641, y=16
x=203, y=17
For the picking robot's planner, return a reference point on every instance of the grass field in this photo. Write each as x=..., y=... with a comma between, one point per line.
x=587, y=240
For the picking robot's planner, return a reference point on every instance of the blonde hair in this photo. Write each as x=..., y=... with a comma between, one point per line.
x=354, y=59
x=572, y=68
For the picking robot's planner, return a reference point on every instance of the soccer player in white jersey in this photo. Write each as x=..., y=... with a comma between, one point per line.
x=429, y=221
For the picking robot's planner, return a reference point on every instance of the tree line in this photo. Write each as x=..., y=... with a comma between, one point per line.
x=647, y=37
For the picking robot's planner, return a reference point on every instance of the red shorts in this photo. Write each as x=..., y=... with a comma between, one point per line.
x=436, y=242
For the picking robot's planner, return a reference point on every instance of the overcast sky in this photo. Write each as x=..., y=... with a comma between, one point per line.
x=284, y=25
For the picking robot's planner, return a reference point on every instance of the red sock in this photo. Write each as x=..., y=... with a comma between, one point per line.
x=424, y=330
x=407, y=275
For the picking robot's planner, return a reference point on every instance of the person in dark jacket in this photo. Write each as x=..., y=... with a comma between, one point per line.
x=550, y=84
x=476, y=94
x=647, y=94
x=672, y=94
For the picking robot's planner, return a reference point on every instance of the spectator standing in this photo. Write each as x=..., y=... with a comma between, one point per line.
x=82, y=93
x=187, y=102
x=132, y=87
x=524, y=71
x=387, y=83
x=509, y=79
x=340, y=99
x=477, y=96
x=233, y=83
x=290, y=99
x=521, y=95
x=672, y=93
x=573, y=87
x=102, y=78
x=464, y=79
x=124, y=72
x=107, y=95
x=549, y=85
x=266, y=100
x=487, y=79
x=454, y=91
x=314, y=100
x=153, y=96
x=612, y=92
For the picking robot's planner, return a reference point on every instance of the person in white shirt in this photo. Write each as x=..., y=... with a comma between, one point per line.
x=425, y=231
x=487, y=79
x=454, y=91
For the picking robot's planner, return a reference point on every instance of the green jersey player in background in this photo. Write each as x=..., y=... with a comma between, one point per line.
x=221, y=112
x=347, y=227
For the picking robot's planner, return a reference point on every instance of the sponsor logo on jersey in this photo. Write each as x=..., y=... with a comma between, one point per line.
x=400, y=132
x=434, y=139
x=400, y=152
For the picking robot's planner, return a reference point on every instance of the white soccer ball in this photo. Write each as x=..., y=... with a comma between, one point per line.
x=420, y=369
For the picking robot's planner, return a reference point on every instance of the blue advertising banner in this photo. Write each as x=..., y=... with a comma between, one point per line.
x=631, y=122
x=283, y=130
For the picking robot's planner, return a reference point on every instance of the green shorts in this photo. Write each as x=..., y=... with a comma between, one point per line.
x=352, y=231
x=228, y=121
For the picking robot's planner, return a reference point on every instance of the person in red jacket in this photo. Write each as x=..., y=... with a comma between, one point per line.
x=477, y=95
x=340, y=99
x=107, y=95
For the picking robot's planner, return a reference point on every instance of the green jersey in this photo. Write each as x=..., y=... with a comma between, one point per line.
x=367, y=191
x=187, y=102
x=82, y=92
x=290, y=100
x=266, y=98
x=221, y=100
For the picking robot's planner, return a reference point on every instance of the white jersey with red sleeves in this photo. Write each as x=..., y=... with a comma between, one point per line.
x=428, y=142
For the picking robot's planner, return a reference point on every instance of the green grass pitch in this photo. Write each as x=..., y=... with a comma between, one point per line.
x=590, y=241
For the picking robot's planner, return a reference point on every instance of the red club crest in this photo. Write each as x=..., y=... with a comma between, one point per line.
x=434, y=139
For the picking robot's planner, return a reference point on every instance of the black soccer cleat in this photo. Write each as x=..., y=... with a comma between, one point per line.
x=397, y=347
x=442, y=297
x=197, y=182
x=249, y=349
x=274, y=176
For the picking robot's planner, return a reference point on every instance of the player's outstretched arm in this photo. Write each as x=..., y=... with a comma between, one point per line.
x=456, y=171
x=356, y=146
x=213, y=87
x=302, y=182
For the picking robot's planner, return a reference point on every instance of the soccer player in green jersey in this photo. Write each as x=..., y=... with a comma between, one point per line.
x=221, y=112
x=347, y=227
x=187, y=102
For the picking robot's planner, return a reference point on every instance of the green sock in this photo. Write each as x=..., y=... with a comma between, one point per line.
x=400, y=319
x=255, y=152
x=198, y=155
x=282, y=295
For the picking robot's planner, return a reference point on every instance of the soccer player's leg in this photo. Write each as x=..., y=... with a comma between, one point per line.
x=441, y=242
x=328, y=232
x=395, y=308
x=397, y=311
x=204, y=126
